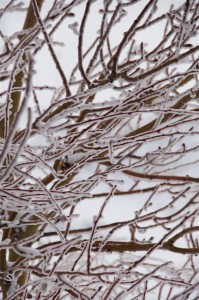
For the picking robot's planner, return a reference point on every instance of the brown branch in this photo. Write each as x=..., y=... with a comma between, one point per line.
x=161, y=177
x=129, y=32
x=80, y=43
x=54, y=57
x=157, y=69
x=30, y=21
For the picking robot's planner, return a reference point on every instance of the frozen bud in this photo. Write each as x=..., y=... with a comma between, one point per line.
x=73, y=27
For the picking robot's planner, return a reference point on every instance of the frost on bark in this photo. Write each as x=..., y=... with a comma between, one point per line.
x=99, y=171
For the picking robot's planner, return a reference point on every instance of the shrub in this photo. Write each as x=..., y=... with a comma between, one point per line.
x=99, y=150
